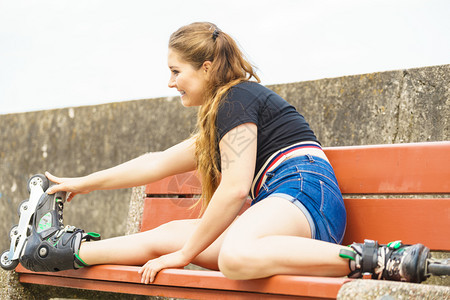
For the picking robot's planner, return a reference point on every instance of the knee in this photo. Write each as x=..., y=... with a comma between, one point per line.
x=175, y=228
x=235, y=263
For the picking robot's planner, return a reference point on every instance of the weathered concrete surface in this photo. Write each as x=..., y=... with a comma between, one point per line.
x=10, y=287
x=391, y=290
x=389, y=107
x=439, y=280
x=136, y=210
x=379, y=108
x=78, y=141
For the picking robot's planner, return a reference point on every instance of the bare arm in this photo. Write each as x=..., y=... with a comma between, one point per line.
x=238, y=160
x=144, y=169
x=238, y=156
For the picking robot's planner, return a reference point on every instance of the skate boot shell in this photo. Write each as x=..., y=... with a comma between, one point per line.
x=56, y=252
x=40, y=241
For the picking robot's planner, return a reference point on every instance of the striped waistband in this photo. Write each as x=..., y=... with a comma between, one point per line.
x=275, y=160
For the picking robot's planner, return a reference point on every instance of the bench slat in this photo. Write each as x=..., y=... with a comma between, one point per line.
x=121, y=276
x=171, y=209
x=177, y=292
x=384, y=220
x=415, y=168
x=182, y=184
x=425, y=221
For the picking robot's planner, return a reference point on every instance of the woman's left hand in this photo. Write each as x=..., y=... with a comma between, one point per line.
x=152, y=267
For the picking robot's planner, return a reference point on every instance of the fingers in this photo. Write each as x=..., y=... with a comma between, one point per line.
x=152, y=267
x=58, y=187
x=52, y=178
x=54, y=188
x=148, y=273
x=70, y=197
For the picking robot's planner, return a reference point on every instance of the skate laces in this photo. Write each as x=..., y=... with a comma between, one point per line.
x=68, y=228
x=386, y=263
x=381, y=262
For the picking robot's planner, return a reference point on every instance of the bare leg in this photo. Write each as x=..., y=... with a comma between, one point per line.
x=273, y=237
x=137, y=249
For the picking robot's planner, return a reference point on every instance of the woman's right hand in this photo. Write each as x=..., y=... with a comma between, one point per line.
x=72, y=186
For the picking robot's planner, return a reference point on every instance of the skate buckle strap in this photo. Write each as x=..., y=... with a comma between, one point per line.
x=369, y=256
x=68, y=228
x=79, y=263
x=395, y=245
x=347, y=253
x=92, y=236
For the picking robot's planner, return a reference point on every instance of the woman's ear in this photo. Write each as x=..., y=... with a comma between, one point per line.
x=206, y=66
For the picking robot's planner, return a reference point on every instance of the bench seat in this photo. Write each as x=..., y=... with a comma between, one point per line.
x=181, y=283
x=390, y=192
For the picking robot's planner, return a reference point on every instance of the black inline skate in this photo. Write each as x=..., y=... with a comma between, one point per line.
x=40, y=242
x=394, y=261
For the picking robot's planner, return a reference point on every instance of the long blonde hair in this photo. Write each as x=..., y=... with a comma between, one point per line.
x=197, y=43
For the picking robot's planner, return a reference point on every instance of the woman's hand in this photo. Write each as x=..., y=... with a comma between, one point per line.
x=73, y=186
x=152, y=267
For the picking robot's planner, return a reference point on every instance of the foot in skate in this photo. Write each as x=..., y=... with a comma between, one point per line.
x=57, y=251
x=394, y=261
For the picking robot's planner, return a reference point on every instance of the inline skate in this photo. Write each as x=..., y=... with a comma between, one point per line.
x=41, y=242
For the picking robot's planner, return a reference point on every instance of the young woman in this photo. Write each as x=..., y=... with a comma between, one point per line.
x=248, y=140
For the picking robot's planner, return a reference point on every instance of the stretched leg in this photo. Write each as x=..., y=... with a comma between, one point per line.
x=137, y=249
x=273, y=237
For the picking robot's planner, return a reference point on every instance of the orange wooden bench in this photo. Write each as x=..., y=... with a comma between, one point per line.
x=372, y=178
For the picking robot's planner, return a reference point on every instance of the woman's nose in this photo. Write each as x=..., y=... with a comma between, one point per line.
x=172, y=82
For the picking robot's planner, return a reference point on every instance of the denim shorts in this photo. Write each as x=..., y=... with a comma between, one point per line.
x=309, y=183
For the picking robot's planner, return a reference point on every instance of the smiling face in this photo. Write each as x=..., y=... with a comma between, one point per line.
x=190, y=82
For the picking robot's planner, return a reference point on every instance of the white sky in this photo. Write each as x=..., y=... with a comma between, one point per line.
x=60, y=53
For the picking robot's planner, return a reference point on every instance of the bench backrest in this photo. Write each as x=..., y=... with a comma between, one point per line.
x=391, y=192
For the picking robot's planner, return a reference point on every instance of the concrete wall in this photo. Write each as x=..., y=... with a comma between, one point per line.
x=389, y=107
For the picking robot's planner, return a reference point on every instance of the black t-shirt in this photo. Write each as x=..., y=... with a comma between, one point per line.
x=279, y=124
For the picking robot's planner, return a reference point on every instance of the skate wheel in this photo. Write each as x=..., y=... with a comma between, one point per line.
x=13, y=231
x=23, y=206
x=6, y=263
x=38, y=179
